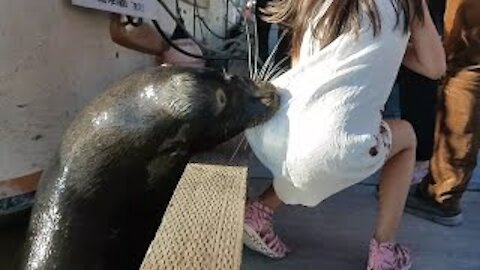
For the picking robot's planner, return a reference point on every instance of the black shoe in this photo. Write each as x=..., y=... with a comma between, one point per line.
x=427, y=208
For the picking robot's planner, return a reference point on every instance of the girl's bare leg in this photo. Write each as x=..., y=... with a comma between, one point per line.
x=270, y=198
x=395, y=180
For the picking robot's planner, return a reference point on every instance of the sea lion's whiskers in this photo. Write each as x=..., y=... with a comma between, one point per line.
x=261, y=63
x=269, y=60
x=277, y=74
x=249, y=49
x=256, y=56
x=266, y=66
x=237, y=149
x=275, y=68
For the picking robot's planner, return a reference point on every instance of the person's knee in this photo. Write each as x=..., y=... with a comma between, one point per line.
x=408, y=133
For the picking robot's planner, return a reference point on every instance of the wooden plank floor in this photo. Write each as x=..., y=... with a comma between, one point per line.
x=335, y=235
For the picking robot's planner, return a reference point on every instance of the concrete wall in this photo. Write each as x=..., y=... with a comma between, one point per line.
x=54, y=58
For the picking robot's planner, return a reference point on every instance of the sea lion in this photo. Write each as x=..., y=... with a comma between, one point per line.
x=100, y=202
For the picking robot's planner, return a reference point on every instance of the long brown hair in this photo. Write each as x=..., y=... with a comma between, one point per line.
x=342, y=16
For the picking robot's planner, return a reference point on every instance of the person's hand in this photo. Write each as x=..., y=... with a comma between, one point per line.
x=134, y=34
x=134, y=21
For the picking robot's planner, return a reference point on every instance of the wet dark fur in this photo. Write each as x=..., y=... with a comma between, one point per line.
x=102, y=199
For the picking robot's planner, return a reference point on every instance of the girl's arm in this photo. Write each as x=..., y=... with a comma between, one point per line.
x=143, y=38
x=425, y=53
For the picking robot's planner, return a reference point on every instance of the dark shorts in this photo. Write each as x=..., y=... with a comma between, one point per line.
x=392, y=107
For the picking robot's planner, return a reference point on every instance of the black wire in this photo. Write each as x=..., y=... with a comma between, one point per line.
x=170, y=13
x=201, y=32
x=202, y=20
x=226, y=17
x=180, y=24
x=179, y=21
x=173, y=45
x=194, y=19
x=179, y=11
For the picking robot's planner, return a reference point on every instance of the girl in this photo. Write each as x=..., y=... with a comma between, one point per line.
x=328, y=134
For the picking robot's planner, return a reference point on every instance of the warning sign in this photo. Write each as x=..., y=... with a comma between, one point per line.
x=138, y=8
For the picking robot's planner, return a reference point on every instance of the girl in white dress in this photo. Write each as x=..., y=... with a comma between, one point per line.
x=328, y=133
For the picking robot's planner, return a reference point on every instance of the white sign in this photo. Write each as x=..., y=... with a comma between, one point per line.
x=138, y=8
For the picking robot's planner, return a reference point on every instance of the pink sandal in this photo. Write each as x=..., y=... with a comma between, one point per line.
x=258, y=233
x=388, y=256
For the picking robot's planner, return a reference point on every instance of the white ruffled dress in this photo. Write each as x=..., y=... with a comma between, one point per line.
x=329, y=133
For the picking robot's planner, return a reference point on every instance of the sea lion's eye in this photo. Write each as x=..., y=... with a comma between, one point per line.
x=221, y=101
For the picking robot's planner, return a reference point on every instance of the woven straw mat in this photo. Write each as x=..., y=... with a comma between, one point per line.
x=203, y=225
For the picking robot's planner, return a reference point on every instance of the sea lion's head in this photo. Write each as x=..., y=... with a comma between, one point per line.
x=216, y=106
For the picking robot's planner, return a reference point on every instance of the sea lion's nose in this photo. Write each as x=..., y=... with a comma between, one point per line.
x=270, y=99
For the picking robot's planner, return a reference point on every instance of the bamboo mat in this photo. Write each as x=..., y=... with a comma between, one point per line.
x=203, y=225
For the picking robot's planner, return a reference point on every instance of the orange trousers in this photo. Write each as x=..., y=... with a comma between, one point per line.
x=457, y=130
